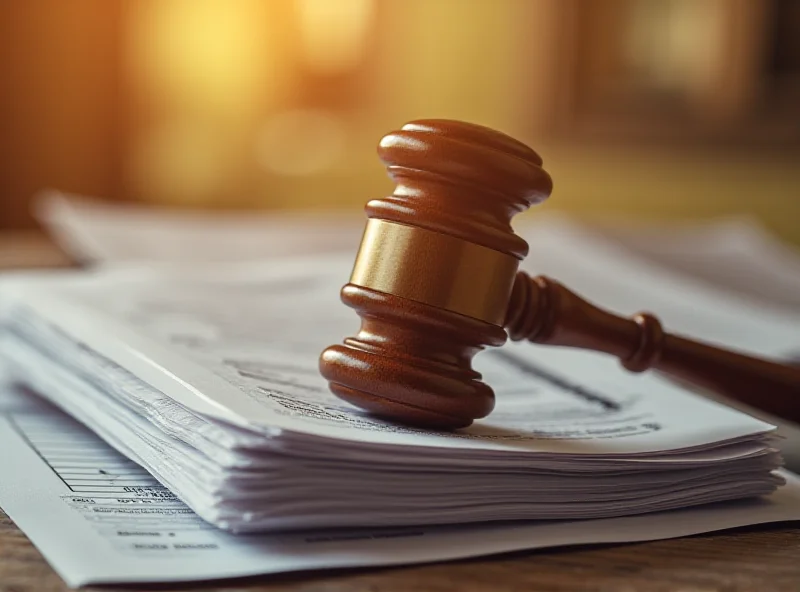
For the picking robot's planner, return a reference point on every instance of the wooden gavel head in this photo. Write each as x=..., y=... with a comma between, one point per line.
x=436, y=280
x=434, y=275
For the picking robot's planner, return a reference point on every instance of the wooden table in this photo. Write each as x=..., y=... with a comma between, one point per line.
x=758, y=559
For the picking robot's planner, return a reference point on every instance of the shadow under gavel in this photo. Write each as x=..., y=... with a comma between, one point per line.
x=436, y=280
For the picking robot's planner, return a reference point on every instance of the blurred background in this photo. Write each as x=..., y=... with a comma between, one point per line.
x=645, y=109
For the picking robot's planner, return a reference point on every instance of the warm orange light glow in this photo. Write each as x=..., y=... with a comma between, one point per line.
x=182, y=160
x=208, y=55
x=300, y=142
x=675, y=43
x=207, y=70
x=333, y=32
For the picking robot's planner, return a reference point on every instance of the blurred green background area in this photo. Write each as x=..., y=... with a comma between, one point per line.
x=643, y=109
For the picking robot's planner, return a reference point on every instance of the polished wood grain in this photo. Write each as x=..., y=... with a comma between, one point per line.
x=543, y=311
x=745, y=560
x=411, y=361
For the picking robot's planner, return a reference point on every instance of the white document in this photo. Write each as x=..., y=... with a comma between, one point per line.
x=104, y=233
x=737, y=254
x=161, y=366
x=99, y=518
x=241, y=346
x=616, y=278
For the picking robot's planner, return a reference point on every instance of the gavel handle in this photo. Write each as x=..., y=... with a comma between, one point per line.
x=544, y=311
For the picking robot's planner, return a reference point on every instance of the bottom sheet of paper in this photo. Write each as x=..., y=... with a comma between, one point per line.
x=99, y=518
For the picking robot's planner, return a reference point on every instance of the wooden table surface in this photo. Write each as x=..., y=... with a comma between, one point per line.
x=757, y=559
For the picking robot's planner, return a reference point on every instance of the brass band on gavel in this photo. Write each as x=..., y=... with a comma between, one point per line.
x=435, y=269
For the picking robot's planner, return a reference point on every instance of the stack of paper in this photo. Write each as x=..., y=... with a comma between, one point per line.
x=98, y=518
x=737, y=254
x=208, y=379
x=99, y=232
x=629, y=280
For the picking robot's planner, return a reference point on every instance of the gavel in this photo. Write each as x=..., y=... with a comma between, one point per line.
x=436, y=280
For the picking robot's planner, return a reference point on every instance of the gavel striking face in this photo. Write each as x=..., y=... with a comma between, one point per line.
x=435, y=281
